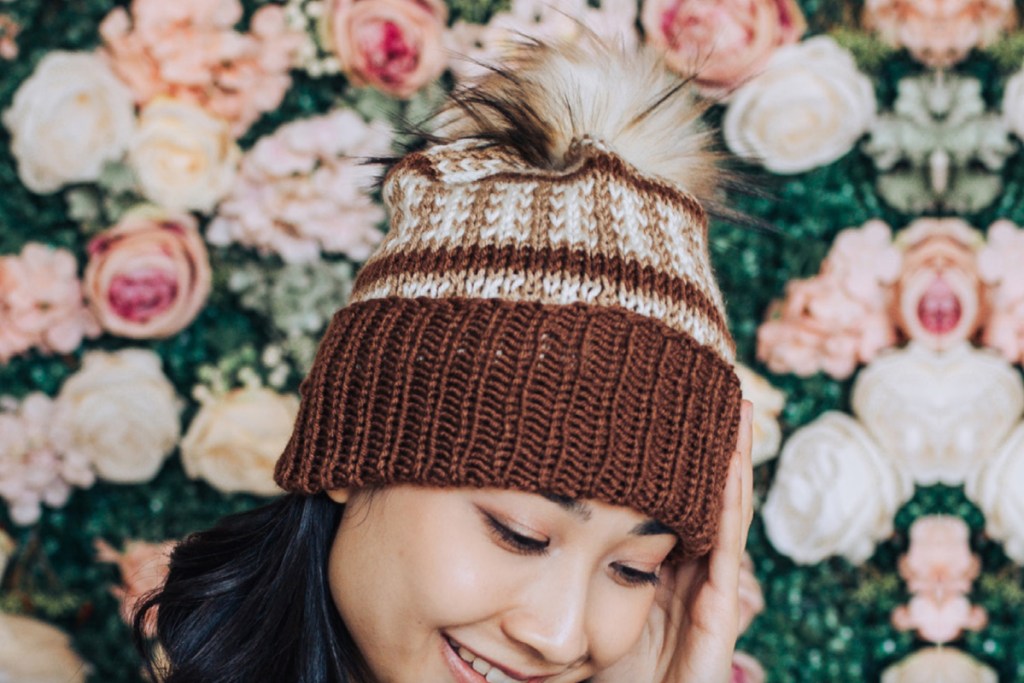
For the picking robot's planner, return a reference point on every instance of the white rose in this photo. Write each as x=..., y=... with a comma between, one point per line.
x=235, y=440
x=995, y=488
x=121, y=413
x=938, y=413
x=768, y=403
x=834, y=493
x=68, y=118
x=183, y=157
x=807, y=109
x=1013, y=104
x=939, y=665
x=32, y=651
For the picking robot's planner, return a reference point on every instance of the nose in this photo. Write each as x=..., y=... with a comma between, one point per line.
x=550, y=619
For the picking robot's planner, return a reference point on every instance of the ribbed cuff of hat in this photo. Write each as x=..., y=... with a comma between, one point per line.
x=582, y=401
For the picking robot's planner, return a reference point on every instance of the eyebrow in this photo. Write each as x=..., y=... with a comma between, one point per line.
x=650, y=527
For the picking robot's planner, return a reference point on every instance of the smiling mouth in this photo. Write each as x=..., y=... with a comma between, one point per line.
x=487, y=670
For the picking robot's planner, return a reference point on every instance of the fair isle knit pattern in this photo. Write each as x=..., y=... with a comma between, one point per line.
x=549, y=328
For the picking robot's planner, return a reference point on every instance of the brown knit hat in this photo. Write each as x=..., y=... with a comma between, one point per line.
x=542, y=315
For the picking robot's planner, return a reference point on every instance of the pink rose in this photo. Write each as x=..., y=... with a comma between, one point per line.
x=149, y=275
x=939, y=33
x=41, y=302
x=392, y=45
x=724, y=41
x=939, y=292
x=999, y=266
x=9, y=30
x=746, y=669
x=144, y=568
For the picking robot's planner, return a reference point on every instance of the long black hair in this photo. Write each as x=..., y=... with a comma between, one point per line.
x=248, y=600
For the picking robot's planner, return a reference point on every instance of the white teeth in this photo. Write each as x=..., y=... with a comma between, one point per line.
x=490, y=673
x=497, y=676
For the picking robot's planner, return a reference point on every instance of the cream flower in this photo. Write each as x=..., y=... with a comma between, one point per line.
x=939, y=665
x=6, y=550
x=32, y=651
x=304, y=189
x=768, y=403
x=995, y=488
x=235, y=440
x=1013, y=104
x=806, y=109
x=68, y=118
x=121, y=413
x=476, y=46
x=184, y=157
x=835, y=493
x=937, y=414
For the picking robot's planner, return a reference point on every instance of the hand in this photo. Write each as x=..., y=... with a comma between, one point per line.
x=692, y=630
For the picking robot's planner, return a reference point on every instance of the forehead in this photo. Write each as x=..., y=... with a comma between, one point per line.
x=585, y=511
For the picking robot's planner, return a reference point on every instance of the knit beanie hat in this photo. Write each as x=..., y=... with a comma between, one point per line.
x=542, y=314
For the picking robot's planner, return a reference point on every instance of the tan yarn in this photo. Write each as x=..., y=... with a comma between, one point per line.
x=546, y=329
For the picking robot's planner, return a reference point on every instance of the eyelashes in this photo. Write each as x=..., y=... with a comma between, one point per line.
x=517, y=542
x=526, y=545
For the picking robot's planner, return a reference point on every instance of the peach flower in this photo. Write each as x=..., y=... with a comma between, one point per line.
x=939, y=33
x=768, y=403
x=839, y=318
x=999, y=266
x=394, y=46
x=149, y=275
x=33, y=470
x=189, y=50
x=143, y=567
x=9, y=30
x=41, y=302
x=939, y=569
x=303, y=190
x=938, y=297
x=724, y=42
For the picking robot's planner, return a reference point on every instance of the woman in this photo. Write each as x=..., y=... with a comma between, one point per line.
x=521, y=454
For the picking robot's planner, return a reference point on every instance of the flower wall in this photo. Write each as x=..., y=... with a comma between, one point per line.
x=184, y=203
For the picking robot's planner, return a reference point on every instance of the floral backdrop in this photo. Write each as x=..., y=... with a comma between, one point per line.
x=184, y=203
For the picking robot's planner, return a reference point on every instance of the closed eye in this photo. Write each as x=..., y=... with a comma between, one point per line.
x=634, y=577
x=513, y=540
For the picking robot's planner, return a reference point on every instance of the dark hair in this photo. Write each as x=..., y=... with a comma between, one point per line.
x=248, y=600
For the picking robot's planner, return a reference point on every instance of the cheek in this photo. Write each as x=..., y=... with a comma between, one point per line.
x=619, y=617
x=417, y=576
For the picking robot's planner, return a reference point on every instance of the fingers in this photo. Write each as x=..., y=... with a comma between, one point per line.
x=744, y=446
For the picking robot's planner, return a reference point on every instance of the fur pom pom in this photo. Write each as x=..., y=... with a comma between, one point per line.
x=546, y=97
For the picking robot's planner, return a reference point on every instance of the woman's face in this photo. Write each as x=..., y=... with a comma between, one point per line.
x=438, y=585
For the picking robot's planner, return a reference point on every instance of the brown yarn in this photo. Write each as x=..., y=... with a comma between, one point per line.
x=552, y=330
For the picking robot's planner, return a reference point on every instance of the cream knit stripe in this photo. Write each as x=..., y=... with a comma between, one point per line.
x=653, y=232
x=550, y=288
